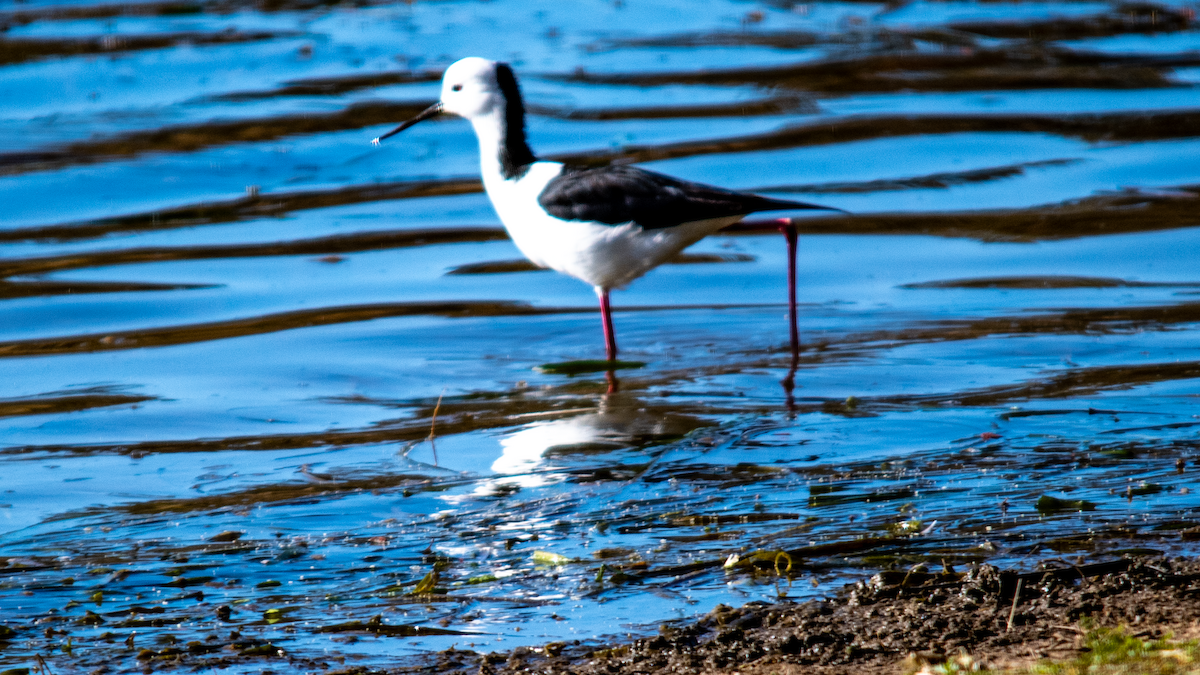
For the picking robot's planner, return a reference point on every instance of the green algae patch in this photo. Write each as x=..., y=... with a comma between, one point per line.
x=548, y=558
x=1113, y=650
x=378, y=627
x=426, y=585
x=1047, y=504
x=1143, y=489
x=1104, y=651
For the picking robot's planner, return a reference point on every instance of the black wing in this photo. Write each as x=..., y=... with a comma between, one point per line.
x=615, y=195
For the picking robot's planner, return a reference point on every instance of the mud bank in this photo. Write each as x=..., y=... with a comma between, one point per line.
x=875, y=625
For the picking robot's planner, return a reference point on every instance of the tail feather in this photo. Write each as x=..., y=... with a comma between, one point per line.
x=770, y=204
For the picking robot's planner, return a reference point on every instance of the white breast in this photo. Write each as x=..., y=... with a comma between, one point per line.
x=605, y=256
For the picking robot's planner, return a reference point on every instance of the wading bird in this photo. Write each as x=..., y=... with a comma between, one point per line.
x=605, y=226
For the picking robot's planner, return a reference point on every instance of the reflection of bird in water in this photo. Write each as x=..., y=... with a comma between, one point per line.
x=618, y=422
x=606, y=226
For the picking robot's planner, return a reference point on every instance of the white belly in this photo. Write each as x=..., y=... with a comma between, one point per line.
x=605, y=256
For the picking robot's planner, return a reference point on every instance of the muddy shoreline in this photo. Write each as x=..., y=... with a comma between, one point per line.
x=878, y=624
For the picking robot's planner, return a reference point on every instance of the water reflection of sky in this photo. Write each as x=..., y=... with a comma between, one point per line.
x=312, y=438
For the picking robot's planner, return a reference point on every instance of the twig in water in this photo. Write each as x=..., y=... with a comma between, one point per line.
x=1013, y=612
x=306, y=471
x=433, y=425
x=1082, y=577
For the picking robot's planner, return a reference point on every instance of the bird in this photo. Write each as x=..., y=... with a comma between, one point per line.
x=605, y=226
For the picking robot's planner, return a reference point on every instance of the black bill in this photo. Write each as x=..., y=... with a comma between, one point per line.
x=432, y=111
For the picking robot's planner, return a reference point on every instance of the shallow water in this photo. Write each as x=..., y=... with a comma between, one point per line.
x=254, y=389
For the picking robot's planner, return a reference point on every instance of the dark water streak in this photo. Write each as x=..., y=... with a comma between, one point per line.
x=235, y=491
x=20, y=50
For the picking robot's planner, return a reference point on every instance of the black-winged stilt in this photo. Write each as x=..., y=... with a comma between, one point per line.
x=605, y=226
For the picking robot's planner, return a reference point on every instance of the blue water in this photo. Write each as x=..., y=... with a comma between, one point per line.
x=355, y=455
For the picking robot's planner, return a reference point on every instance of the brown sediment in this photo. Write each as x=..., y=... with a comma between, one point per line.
x=776, y=105
x=190, y=138
x=461, y=415
x=520, y=405
x=28, y=289
x=765, y=38
x=497, y=267
x=266, y=494
x=219, y=330
x=796, y=556
x=305, y=318
x=926, y=182
x=166, y=8
x=1130, y=211
x=1057, y=384
x=1068, y=382
x=487, y=410
x=877, y=39
x=829, y=497
x=68, y=403
x=998, y=617
x=22, y=49
x=1048, y=282
x=1072, y=321
x=333, y=86
x=341, y=243
x=647, y=424
x=728, y=519
x=100, y=11
x=968, y=70
x=1093, y=216
x=1067, y=322
x=776, y=39
x=244, y=208
x=1090, y=127
x=198, y=136
x=1125, y=19
x=376, y=626
x=509, y=266
x=709, y=258
x=1062, y=384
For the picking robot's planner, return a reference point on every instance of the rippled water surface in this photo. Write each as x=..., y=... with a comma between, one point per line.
x=271, y=397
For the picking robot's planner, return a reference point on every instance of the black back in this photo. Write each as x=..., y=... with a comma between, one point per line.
x=615, y=195
x=515, y=155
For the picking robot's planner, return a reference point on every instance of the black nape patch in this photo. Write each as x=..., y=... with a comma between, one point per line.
x=515, y=155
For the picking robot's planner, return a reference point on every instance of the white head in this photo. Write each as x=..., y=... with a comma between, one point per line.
x=486, y=93
x=472, y=88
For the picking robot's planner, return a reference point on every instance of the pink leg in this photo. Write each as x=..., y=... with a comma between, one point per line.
x=789, y=232
x=610, y=336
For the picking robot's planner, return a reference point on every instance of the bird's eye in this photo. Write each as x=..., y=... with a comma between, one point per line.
x=457, y=87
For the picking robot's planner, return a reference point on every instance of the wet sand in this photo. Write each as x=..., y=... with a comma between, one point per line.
x=1001, y=618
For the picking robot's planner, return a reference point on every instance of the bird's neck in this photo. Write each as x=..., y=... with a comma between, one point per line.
x=503, y=149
